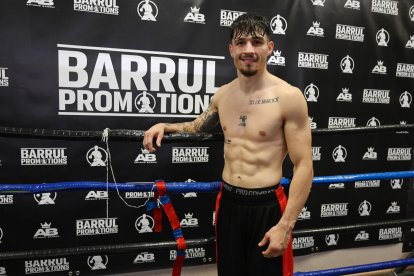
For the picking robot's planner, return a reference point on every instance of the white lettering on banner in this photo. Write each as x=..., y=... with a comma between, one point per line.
x=139, y=194
x=376, y=96
x=98, y=226
x=390, y=233
x=344, y=96
x=4, y=80
x=315, y=30
x=353, y=4
x=46, y=231
x=399, y=154
x=150, y=84
x=97, y=6
x=190, y=253
x=194, y=16
x=405, y=70
x=409, y=45
x=334, y=210
x=347, y=32
x=47, y=265
x=304, y=214
x=43, y=156
x=341, y=122
x=316, y=153
x=227, y=17
x=95, y=195
x=385, y=7
x=41, y=3
x=303, y=242
x=190, y=155
x=380, y=68
x=362, y=236
x=367, y=184
x=144, y=257
x=312, y=60
x=277, y=59
x=6, y=199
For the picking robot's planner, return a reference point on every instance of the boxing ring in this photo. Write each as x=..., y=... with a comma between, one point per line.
x=201, y=187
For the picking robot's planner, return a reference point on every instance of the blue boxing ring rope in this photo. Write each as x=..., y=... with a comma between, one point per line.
x=182, y=187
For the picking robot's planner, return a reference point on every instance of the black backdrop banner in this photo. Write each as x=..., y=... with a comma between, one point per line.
x=127, y=64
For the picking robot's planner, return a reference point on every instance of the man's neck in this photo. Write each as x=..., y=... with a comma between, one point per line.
x=252, y=83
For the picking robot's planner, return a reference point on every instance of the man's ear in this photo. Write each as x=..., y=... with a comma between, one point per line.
x=270, y=47
x=231, y=50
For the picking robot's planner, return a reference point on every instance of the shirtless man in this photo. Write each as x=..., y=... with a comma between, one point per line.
x=263, y=119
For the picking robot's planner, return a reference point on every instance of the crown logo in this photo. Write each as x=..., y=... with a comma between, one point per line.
x=188, y=215
x=403, y=122
x=345, y=90
x=371, y=149
x=144, y=151
x=194, y=10
x=380, y=62
x=45, y=225
x=394, y=203
x=304, y=209
x=277, y=53
x=412, y=37
x=310, y=119
x=316, y=24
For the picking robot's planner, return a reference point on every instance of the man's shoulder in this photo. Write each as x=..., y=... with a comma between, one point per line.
x=286, y=89
x=224, y=89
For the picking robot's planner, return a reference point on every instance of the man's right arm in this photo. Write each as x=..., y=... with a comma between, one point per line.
x=203, y=123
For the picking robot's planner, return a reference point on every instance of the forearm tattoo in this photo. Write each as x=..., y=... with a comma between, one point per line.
x=206, y=121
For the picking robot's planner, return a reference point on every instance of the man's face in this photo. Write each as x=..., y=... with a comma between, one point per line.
x=250, y=53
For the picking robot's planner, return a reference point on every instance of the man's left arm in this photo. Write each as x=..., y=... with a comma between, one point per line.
x=298, y=140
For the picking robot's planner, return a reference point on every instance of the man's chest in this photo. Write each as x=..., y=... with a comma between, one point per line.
x=251, y=118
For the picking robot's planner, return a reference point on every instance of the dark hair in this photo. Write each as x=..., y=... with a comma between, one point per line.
x=250, y=24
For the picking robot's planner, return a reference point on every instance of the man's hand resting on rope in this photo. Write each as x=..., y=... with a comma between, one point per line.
x=155, y=132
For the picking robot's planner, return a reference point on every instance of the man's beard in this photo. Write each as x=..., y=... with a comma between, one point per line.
x=248, y=72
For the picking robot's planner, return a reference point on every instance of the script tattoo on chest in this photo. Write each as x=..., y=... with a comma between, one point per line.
x=263, y=101
x=243, y=119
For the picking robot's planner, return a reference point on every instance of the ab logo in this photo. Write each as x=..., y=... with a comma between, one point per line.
x=144, y=257
x=352, y=4
x=145, y=157
x=195, y=16
x=189, y=221
x=277, y=59
x=344, y=96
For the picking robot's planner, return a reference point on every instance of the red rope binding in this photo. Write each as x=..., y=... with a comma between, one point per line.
x=161, y=196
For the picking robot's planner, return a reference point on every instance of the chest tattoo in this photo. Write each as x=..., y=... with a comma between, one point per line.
x=263, y=101
x=243, y=119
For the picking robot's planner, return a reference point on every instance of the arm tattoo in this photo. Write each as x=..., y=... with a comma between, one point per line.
x=206, y=121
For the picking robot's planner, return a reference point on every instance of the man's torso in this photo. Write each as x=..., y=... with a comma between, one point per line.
x=254, y=145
